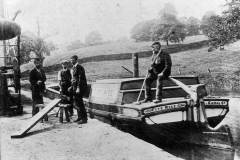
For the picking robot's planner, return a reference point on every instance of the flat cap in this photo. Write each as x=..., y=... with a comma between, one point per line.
x=64, y=62
x=74, y=57
x=156, y=43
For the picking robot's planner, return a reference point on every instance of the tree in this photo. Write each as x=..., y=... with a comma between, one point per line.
x=160, y=32
x=33, y=44
x=183, y=20
x=205, y=22
x=93, y=38
x=168, y=19
x=168, y=28
x=232, y=23
x=192, y=26
x=177, y=33
x=218, y=33
x=207, y=15
x=168, y=9
x=142, y=31
x=224, y=29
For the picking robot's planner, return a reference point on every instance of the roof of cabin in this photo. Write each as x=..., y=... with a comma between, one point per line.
x=117, y=80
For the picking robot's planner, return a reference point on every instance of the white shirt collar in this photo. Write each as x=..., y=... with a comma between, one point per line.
x=75, y=65
x=159, y=52
x=37, y=69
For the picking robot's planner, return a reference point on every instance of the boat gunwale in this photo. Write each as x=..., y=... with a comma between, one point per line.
x=118, y=80
x=164, y=88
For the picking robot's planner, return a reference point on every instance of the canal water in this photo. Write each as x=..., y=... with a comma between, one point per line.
x=198, y=153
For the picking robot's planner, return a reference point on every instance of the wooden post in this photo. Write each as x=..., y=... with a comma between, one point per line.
x=135, y=65
x=3, y=94
x=5, y=53
x=20, y=107
x=3, y=50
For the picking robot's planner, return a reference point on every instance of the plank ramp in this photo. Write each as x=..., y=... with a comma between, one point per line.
x=35, y=119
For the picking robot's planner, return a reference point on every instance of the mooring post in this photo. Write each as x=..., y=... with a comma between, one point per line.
x=135, y=65
x=20, y=107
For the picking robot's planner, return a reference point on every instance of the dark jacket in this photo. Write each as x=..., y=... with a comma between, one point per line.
x=79, y=78
x=36, y=76
x=65, y=81
x=162, y=64
x=65, y=77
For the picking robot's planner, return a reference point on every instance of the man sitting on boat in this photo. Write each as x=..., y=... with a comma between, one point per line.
x=160, y=70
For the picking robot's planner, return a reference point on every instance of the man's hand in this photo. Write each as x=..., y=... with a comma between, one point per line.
x=153, y=65
x=39, y=82
x=78, y=90
x=70, y=89
x=64, y=97
x=74, y=82
x=150, y=70
x=74, y=89
x=160, y=74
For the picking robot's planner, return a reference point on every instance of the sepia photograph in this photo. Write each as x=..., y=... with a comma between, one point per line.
x=119, y=80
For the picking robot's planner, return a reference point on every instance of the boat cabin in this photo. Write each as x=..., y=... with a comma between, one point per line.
x=126, y=91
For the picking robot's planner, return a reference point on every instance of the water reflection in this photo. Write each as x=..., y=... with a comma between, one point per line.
x=232, y=120
x=192, y=152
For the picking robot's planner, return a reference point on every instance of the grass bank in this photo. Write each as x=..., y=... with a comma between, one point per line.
x=112, y=51
x=120, y=48
x=217, y=69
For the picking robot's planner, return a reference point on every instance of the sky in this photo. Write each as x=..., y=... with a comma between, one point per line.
x=63, y=21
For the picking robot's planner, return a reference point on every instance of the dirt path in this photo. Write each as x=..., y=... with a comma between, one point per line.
x=69, y=141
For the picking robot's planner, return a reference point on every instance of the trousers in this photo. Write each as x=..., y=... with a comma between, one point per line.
x=149, y=80
x=79, y=105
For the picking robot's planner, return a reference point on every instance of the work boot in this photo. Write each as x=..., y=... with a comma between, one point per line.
x=157, y=100
x=82, y=121
x=159, y=89
x=70, y=113
x=70, y=110
x=146, y=100
x=79, y=117
x=77, y=120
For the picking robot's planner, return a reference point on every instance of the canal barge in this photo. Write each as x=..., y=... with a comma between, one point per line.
x=180, y=117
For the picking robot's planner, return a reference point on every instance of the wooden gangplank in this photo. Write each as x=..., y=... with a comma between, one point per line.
x=35, y=119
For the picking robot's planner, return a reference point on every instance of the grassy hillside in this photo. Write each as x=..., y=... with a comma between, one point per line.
x=108, y=49
x=218, y=69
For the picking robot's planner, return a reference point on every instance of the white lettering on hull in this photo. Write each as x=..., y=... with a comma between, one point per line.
x=165, y=108
x=214, y=103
